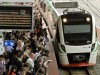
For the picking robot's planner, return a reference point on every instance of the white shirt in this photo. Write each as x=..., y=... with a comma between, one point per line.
x=30, y=63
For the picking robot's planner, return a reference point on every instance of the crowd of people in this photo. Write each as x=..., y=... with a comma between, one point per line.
x=29, y=55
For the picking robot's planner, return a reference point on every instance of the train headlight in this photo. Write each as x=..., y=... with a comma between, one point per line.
x=64, y=20
x=88, y=19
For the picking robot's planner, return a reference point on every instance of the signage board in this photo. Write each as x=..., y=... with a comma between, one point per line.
x=15, y=17
x=9, y=43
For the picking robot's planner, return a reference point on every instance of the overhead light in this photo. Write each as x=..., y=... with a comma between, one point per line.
x=88, y=19
x=64, y=20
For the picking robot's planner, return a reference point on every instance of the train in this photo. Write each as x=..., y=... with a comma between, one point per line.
x=75, y=34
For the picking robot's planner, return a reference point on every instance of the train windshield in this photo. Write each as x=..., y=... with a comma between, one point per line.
x=76, y=28
x=77, y=34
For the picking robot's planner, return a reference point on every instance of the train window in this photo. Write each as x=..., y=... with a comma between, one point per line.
x=77, y=29
x=57, y=34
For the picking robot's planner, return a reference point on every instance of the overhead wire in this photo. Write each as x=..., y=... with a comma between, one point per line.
x=91, y=8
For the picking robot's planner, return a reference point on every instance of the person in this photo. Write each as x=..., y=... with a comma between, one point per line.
x=19, y=45
x=30, y=62
x=2, y=65
x=32, y=44
x=38, y=53
x=9, y=49
x=23, y=70
x=17, y=61
x=45, y=55
x=41, y=71
x=38, y=63
x=26, y=54
x=12, y=71
x=20, y=72
x=45, y=34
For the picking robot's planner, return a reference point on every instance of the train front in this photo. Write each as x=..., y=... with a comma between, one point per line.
x=77, y=40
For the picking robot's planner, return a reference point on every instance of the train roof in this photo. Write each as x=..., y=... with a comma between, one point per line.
x=63, y=11
x=67, y=7
x=65, y=4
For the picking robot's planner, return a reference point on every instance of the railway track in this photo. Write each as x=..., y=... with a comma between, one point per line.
x=82, y=71
x=77, y=71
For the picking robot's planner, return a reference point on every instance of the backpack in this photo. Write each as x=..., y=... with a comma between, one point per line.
x=2, y=67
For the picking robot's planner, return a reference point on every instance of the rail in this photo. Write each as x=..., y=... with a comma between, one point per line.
x=82, y=71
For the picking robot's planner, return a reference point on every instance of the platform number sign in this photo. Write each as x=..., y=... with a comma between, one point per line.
x=9, y=43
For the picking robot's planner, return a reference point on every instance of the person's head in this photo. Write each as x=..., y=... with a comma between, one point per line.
x=15, y=39
x=27, y=42
x=10, y=33
x=26, y=33
x=40, y=59
x=26, y=67
x=41, y=40
x=19, y=33
x=19, y=43
x=44, y=29
x=20, y=54
x=28, y=49
x=23, y=70
x=39, y=48
x=32, y=56
x=25, y=55
x=31, y=34
x=1, y=57
x=40, y=16
x=13, y=68
x=41, y=71
x=46, y=53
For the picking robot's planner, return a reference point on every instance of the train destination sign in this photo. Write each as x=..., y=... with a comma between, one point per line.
x=16, y=17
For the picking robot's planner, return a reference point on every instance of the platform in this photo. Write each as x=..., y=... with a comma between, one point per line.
x=98, y=35
x=52, y=66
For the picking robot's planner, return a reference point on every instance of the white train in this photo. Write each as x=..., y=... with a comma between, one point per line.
x=75, y=35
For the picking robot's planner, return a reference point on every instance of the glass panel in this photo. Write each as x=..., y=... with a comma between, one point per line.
x=76, y=28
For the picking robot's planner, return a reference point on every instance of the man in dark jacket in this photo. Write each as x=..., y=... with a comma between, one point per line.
x=17, y=61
